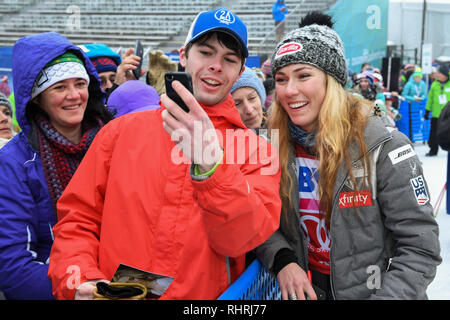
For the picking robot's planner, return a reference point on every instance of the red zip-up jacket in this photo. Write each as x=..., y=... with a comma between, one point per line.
x=129, y=203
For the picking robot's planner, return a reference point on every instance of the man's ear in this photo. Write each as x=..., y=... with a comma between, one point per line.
x=243, y=69
x=183, y=56
x=35, y=100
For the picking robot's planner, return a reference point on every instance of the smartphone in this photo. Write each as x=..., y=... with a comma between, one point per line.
x=138, y=51
x=185, y=79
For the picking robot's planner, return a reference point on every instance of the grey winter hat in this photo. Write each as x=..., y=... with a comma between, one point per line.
x=317, y=45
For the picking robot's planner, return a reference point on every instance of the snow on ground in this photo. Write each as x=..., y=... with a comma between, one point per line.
x=435, y=172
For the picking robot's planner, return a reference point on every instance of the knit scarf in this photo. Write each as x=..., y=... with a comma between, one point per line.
x=303, y=138
x=59, y=156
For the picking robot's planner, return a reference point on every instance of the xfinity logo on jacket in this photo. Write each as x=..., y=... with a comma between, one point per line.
x=360, y=198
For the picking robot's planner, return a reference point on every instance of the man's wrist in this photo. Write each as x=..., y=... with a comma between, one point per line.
x=207, y=170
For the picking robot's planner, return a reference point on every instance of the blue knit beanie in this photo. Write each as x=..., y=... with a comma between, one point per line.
x=102, y=57
x=250, y=79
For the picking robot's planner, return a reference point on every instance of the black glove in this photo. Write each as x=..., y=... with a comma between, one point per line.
x=427, y=115
x=112, y=292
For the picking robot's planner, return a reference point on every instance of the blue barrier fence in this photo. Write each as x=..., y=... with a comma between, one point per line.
x=412, y=123
x=416, y=128
x=255, y=283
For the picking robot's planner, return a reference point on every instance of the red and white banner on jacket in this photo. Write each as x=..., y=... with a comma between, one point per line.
x=312, y=221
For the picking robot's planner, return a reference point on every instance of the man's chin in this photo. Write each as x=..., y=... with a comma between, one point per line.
x=209, y=100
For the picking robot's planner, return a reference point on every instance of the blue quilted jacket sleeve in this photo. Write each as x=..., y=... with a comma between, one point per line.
x=26, y=219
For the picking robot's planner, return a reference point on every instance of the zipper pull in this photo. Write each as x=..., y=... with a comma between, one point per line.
x=389, y=264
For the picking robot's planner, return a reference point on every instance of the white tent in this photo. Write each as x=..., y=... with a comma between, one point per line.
x=405, y=25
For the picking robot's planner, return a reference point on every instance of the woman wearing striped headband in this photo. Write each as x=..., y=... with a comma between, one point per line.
x=60, y=109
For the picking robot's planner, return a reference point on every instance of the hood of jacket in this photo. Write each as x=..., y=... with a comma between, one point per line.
x=133, y=96
x=30, y=55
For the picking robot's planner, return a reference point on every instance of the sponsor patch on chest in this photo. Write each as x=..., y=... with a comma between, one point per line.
x=401, y=154
x=360, y=198
x=420, y=191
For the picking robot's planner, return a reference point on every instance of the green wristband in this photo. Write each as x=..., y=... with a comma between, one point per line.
x=210, y=172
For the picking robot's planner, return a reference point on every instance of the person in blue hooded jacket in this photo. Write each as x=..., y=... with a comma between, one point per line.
x=60, y=108
x=415, y=89
x=279, y=11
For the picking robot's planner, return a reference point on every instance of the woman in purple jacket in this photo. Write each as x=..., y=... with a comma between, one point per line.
x=60, y=108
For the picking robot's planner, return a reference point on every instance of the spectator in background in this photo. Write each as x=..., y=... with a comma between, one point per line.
x=259, y=73
x=105, y=61
x=432, y=76
x=60, y=109
x=265, y=68
x=112, y=69
x=415, y=89
x=350, y=80
x=4, y=86
x=279, y=11
x=268, y=83
x=405, y=73
x=365, y=66
x=249, y=96
x=269, y=86
x=438, y=97
x=6, y=128
x=132, y=96
x=367, y=88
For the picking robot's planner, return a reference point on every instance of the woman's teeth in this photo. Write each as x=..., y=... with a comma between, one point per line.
x=298, y=105
x=71, y=107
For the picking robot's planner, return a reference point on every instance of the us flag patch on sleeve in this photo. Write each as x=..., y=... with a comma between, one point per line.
x=420, y=191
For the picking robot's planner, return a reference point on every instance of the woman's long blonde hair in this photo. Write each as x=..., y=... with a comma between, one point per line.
x=341, y=122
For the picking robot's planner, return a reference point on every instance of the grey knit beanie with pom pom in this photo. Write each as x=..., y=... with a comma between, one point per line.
x=316, y=44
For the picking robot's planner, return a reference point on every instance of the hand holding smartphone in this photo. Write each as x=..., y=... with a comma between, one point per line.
x=138, y=51
x=185, y=79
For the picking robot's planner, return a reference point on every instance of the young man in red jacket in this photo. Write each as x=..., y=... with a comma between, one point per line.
x=180, y=194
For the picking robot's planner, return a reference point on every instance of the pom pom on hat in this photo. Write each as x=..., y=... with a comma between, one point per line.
x=316, y=17
x=315, y=43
